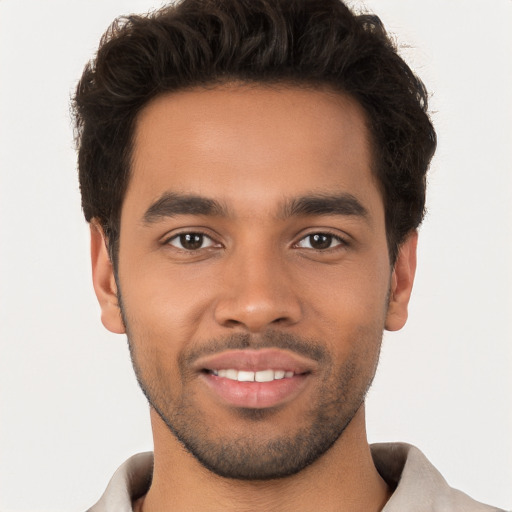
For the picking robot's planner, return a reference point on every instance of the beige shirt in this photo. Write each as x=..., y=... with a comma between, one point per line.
x=419, y=487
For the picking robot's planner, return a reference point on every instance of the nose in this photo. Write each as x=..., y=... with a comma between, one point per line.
x=258, y=292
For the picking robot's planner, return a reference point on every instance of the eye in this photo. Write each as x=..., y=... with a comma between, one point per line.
x=320, y=241
x=191, y=241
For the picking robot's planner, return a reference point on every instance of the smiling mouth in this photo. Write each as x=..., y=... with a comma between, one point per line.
x=255, y=389
x=255, y=379
x=268, y=375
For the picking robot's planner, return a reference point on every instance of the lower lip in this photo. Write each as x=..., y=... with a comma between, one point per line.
x=256, y=395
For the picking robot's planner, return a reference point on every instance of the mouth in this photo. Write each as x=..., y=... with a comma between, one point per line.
x=249, y=376
x=255, y=379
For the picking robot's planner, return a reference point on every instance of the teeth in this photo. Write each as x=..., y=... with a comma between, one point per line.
x=248, y=376
x=264, y=376
x=245, y=376
x=232, y=374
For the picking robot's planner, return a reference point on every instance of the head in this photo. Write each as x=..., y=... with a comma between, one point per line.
x=303, y=43
x=254, y=173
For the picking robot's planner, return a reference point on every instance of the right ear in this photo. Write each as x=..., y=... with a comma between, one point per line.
x=104, y=282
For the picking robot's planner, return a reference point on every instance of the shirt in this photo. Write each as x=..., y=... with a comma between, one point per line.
x=419, y=487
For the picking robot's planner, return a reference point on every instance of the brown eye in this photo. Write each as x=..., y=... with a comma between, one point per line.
x=319, y=241
x=191, y=241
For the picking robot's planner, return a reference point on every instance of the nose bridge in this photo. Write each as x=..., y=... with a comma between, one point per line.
x=258, y=290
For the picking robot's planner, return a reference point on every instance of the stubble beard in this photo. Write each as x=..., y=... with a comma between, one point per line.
x=251, y=455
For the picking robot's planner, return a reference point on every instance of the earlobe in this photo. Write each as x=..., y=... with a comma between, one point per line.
x=402, y=280
x=104, y=282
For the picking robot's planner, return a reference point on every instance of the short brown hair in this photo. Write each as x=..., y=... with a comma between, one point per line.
x=296, y=42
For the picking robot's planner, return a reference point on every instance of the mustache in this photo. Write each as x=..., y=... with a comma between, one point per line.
x=245, y=341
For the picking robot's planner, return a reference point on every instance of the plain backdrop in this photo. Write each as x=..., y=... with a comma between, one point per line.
x=70, y=409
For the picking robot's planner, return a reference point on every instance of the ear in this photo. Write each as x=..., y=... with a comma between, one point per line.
x=104, y=282
x=402, y=280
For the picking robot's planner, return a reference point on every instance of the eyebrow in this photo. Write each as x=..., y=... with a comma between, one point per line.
x=324, y=204
x=172, y=204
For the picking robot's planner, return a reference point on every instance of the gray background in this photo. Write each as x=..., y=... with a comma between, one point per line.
x=70, y=410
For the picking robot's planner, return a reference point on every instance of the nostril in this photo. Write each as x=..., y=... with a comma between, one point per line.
x=232, y=323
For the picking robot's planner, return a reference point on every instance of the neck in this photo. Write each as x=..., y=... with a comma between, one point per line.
x=344, y=478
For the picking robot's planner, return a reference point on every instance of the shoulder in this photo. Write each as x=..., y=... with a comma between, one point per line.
x=418, y=484
x=131, y=481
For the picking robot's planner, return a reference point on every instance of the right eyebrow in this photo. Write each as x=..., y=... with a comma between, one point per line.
x=171, y=204
x=343, y=203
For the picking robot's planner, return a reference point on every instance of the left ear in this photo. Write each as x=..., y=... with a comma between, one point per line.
x=402, y=280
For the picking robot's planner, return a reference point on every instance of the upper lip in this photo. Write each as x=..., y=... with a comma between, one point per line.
x=255, y=360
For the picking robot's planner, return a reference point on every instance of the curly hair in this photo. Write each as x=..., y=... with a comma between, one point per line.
x=310, y=43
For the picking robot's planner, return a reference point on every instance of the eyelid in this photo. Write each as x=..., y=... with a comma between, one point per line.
x=189, y=231
x=344, y=240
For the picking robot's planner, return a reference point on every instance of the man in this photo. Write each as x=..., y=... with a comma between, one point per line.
x=254, y=175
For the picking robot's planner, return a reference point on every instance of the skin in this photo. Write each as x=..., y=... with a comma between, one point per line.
x=254, y=150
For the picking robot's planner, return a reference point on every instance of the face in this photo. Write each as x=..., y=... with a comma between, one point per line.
x=253, y=273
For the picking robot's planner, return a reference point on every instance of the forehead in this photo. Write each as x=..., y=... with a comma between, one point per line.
x=251, y=146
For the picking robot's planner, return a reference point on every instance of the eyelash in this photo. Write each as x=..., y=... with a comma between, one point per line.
x=326, y=233
x=341, y=242
x=190, y=233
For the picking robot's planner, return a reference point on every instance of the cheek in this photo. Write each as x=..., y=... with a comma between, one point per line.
x=352, y=295
x=165, y=306
x=350, y=313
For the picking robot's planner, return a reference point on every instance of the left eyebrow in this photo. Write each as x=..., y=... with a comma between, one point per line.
x=324, y=204
x=172, y=204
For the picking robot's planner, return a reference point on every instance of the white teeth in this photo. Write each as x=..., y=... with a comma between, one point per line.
x=244, y=376
x=232, y=374
x=248, y=376
x=264, y=376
